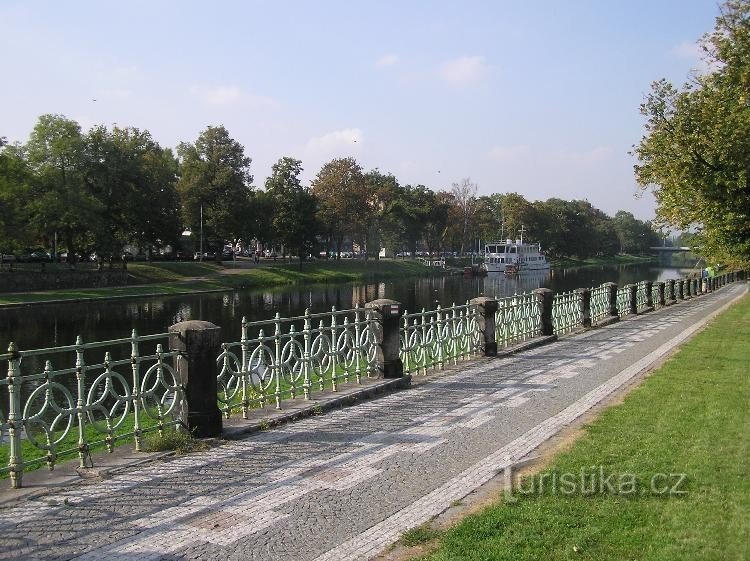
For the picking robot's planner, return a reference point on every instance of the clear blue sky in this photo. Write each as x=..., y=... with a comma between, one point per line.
x=535, y=97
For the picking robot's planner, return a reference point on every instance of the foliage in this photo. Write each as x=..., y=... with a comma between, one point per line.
x=291, y=207
x=106, y=189
x=181, y=442
x=695, y=153
x=215, y=183
x=340, y=189
x=465, y=196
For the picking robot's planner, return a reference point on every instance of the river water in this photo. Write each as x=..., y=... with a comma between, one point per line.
x=54, y=325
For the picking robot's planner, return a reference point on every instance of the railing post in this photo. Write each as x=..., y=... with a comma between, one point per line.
x=688, y=288
x=612, y=299
x=198, y=344
x=632, y=299
x=696, y=287
x=680, y=289
x=661, y=299
x=584, y=305
x=649, y=287
x=15, y=417
x=386, y=314
x=670, y=296
x=486, y=308
x=545, y=298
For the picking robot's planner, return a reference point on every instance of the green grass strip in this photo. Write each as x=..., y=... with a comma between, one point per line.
x=691, y=416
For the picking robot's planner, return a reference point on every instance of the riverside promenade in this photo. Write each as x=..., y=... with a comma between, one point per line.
x=345, y=485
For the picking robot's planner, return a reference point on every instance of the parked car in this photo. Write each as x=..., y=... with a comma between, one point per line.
x=7, y=258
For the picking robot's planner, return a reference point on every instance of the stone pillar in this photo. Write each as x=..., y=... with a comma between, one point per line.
x=612, y=298
x=696, y=287
x=198, y=344
x=689, y=288
x=486, y=308
x=545, y=298
x=632, y=299
x=680, y=289
x=649, y=295
x=387, y=314
x=660, y=291
x=584, y=302
x=670, y=292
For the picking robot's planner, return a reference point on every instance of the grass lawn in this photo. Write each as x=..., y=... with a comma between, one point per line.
x=691, y=416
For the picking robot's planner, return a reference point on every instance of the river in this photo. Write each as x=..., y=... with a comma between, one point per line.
x=59, y=324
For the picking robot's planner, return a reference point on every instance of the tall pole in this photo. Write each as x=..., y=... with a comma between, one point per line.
x=201, y=257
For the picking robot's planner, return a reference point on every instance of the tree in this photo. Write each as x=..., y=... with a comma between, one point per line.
x=215, y=177
x=409, y=213
x=465, y=195
x=339, y=188
x=695, y=155
x=292, y=207
x=127, y=172
x=380, y=193
x=61, y=202
x=634, y=236
x=15, y=184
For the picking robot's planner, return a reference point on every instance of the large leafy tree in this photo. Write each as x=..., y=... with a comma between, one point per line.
x=215, y=177
x=695, y=154
x=133, y=178
x=292, y=207
x=61, y=203
x=15, y=185
x=340, y=189
x=411, y=209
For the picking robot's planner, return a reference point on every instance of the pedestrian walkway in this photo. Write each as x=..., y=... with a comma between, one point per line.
x=347, y=484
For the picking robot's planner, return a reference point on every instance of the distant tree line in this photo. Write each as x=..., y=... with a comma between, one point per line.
x=102, y=190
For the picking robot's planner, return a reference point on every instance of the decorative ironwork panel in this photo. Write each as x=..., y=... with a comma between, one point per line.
x=517, y=319
x=566, y=312
x=438, y=337
x=655, y=296
x=285, y=358
x=65, y=401
x=623, y=301
x=599, y=303
x=641, y=296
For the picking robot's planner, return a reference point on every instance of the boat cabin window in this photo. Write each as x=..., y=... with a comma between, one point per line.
x=512, y=249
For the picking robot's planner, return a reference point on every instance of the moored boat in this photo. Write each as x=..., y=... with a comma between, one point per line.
x=513, y=257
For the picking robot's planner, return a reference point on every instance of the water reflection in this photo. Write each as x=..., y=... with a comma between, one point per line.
x=38, y=327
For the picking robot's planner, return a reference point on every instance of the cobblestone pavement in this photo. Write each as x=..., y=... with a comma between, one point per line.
x=346, y=484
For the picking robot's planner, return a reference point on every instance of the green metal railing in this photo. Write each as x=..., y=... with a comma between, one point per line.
x=599, y=303
x=432, y=339
x=517, y=319
x=62, y=402
x=282, y=361
x=566, y=312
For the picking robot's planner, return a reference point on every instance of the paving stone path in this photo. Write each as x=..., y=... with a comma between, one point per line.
x=347, y=484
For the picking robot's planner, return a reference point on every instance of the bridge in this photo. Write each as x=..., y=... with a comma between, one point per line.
x=671, y=249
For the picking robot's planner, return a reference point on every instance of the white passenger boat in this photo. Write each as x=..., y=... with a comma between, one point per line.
x=514, y=256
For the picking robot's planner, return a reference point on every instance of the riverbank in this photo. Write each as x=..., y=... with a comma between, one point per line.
x=166, y=279
x=621, y=259
x=672, y=484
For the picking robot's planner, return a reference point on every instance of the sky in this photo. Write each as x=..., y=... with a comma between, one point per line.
x=539, y=98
